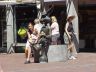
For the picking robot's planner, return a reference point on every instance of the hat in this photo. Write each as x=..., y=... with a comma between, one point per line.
x=70, y=16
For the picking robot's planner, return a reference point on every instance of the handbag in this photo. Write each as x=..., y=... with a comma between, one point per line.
x=22, y=32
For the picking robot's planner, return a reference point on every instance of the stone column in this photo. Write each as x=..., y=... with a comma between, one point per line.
x=76, y=24
x=9, y=21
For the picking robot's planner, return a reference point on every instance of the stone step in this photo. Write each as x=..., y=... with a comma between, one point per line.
x=57, y=53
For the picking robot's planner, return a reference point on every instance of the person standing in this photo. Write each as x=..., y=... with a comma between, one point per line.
x=71, y=35
x=38, y=26
x=55, y=31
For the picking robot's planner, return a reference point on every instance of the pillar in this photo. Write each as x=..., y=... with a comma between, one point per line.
x=9, y=21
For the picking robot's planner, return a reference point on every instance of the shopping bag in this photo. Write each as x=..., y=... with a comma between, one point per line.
x=22, y=32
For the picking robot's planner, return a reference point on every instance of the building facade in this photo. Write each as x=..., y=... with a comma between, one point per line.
x=20, y=12
x=87, y=21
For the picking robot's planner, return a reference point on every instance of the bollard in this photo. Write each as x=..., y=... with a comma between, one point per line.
x=57, y=53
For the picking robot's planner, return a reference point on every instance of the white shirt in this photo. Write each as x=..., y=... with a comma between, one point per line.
x=38, y=27
x=55, y=28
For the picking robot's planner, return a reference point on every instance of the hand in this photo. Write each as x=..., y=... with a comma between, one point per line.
x=30, y=40
x=69, y=37
x=70, y=45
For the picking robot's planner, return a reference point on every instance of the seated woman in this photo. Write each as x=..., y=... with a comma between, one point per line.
x=28, y=45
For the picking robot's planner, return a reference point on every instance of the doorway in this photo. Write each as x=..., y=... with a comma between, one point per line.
x=87, y=26
x=3, y=31
x=24, y=13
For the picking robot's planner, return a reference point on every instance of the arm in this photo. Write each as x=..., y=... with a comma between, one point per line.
x=52, y=26
x=66, y=30
x=29, y=36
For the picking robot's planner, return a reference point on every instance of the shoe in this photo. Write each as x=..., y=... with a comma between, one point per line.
x=72, y=58
x=27, y=62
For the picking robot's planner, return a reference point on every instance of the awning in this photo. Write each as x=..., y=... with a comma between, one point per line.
x=14, y=2
x=53, y=0
x=7, y=2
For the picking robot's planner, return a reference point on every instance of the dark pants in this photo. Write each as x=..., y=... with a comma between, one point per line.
x=55, y=39
x=74, y=39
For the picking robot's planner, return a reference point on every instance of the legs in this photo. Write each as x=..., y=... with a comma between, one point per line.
x=55, y=39
x=27, y=55
x=27, y=52
x=72, y=50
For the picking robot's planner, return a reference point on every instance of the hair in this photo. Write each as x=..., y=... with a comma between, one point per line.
x=30, y=23
x=53, y=19
x=70, y=18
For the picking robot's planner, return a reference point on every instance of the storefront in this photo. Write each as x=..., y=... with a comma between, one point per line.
x=13, y=15
x=18, y=14
x=87, y=25
x=3, y=32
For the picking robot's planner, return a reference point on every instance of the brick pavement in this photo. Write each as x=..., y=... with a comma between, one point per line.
x=86, y=62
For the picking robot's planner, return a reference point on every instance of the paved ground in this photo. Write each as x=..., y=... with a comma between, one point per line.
x=86, y=62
